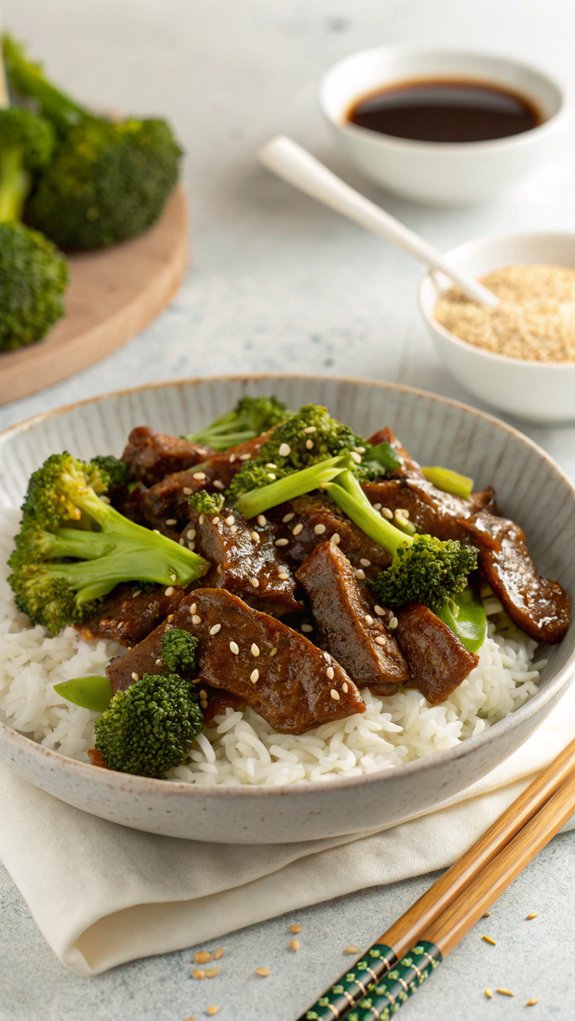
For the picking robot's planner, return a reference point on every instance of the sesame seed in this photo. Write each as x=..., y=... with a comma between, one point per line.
x=532, y=1002
x=202, y=956
x=234, y=647
x=201, y=519
x=262, y=972
x=212, y=972
x=306, y=628
x=244, y=457
x=196, y=619
x=351, y=949
x=172, y=577
x=216, y=519
x=360, y=574
x=261, y=519
x=198, y=973
x=355, y=456
x=182, y=542
x=330, y=673
x=255, y=676
x=193, y=608
x=368, y=619
x=297, y=529
x=392, y=623
x=377, y=506
x=488, y=994
x=203, y=693
x=191, y=546
x=135, y=677
x=218, y=484
x=158, y=662
x=191, y=533
x=271, y=465
x=294, y=945
x=504, y=992
x=380, y=640
x=360, y=450
x=319, y=529
x=187, y=491
x=218, y=954
x=232, y=458
x=215, y=628
x=212, y=1010
x=488, y=939
x=283, y=575
x=272, y=652
x=309, y=444
x=532, y=914
x=310, y=429
x=230, y=520
x=365, y=562
x=199, y=475
x=288, y=517
x=169, y=591
x=281, y=542
x=254, y=582
x=255, y=650
x=255, y=537
x=170, y=521
x=345, y=687
x=284, y=450
x=386, y=513
x=403, y=511
x=233, y=529
x=327, y=657
x=379, y=610
x=294, y=927
x=272, y=477
x=336, y=538
x=334, y=694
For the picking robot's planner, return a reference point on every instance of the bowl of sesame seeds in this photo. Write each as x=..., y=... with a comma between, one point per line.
x=518, y=356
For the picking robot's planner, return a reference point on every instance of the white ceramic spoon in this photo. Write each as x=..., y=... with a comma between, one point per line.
x=300, y=168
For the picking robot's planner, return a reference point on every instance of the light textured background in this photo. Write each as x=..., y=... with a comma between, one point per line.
x=279, y=283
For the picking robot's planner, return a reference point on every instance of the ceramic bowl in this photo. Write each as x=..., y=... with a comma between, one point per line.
x=442, y=173
x=534, y=391
x=527, y=482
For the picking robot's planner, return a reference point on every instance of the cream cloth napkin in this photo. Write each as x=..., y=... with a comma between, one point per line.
x=103, y=894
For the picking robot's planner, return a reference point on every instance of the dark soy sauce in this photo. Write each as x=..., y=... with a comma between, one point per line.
x=445, y=110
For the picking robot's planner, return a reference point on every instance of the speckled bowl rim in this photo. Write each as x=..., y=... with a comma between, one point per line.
x=491, y=358
x=138, y=784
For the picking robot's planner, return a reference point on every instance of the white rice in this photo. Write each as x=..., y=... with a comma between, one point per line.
x=239, y=747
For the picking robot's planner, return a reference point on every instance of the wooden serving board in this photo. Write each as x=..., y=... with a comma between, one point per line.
x=112, y=294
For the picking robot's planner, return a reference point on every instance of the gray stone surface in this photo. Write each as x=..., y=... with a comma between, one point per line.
x=279, y=283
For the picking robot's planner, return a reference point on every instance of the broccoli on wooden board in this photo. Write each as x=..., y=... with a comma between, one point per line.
x=109, y=180
x=73, y=547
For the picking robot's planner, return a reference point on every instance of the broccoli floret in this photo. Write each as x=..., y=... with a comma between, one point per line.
x=206, y=503
x=73, y=547
x=109, y=180
x=148, y=729
x=33, y=274
x=249, y=418
x=178, y=650
x=307, y=437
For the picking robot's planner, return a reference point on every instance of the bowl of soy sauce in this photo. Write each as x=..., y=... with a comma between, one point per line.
x=442, y=126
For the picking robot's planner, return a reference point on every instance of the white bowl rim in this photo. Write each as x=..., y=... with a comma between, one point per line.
x=140, y=784
x=492, y=357
x=414, y=146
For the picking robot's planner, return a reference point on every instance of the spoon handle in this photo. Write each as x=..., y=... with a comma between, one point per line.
x=303, y=171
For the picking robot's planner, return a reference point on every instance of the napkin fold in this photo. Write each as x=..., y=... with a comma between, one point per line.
x=103, y=894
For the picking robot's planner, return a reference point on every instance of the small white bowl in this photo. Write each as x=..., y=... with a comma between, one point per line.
x=534, y=391
x=443, y=173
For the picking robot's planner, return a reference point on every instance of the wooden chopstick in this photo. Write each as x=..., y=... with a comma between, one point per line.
x=393, y=944
x=442, y=936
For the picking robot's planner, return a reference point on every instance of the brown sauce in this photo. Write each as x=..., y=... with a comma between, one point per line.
x=445, y=110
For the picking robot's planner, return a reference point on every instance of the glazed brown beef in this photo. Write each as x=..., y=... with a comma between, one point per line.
x=152, y=455
x=437, y=660
x=244, y=560
x=290, y=682
x=352, y=632
x=128, y=614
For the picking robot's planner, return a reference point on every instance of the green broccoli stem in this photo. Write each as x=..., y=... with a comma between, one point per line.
x=93, y=579
x=347, y=493
x=14, y=185
x=29, y=79
x=257, y=501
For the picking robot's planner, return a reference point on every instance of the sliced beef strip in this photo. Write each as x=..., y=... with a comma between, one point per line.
x=437, y=660
x=308, y=521
x=152, y=455
x=165, y=505
x=537, y=605
x=128, y=614
x=357, y=638
x=244, y=560
x=280, y=673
